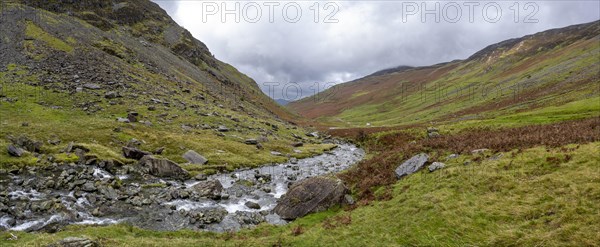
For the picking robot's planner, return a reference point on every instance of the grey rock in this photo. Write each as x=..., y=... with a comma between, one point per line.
x=54, y=141
x=432, y=130
x=194, y=157
x=222, y=129
x=436, y=166
x=252, y=205
x=201, y=177
x=75, y=242
x=207, y=189
x=122, y=120
x=92, y=86
x=134, y=153
x=163, y=168
x=313, y=134
x=251, y=141
x=208, y=215
x=96, y=212
x=249, y=218
x=111, y=95
x=452, y=156
x=433, y=135
x=411, y=165
x=349, y=199
x=27, y=143
x=88, y=187
x=15, y=151
x=480, y=151
x=159, y=150
x=311, y=195
x=108, y=192
x=132, y=116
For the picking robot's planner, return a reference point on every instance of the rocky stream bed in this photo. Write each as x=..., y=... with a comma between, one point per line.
x=49, y=198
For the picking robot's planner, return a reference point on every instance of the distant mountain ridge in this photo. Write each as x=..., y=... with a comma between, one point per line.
x=282, y=102
x=553, y=67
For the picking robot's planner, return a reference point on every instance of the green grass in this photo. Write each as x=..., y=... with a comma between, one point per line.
x=580, y=109
x=533, y=197
x=35, y=32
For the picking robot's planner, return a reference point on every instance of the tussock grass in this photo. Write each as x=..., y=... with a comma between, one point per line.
x=396, y=147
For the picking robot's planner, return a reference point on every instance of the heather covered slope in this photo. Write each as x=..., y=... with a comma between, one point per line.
x=555, y=68
x=70, y=69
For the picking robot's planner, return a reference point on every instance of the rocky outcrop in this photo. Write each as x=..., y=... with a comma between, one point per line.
x=26, y=143
x=311, y=195
x=411, y=165
x=163, y=168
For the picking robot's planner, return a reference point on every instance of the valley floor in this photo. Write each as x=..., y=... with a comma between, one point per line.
x=528, y=196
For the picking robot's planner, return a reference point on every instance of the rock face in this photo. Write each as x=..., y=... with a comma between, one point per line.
x=163, y=168
x=411, y=165
x=194, y=158
x=311, y=195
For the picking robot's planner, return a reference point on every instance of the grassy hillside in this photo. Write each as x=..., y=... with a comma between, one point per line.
x=536, y=73
x=69, y=70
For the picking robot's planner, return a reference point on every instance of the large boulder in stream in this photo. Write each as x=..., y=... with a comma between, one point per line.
x=163, y=168
x=311, y=195
x=207, y=189
x=411, y=165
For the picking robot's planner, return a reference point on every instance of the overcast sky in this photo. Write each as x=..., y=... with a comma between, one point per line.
x=354, y=39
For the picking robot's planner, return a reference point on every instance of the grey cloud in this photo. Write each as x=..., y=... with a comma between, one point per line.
x=370, y=36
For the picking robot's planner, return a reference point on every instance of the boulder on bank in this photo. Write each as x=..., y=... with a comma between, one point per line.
x=15, y=151
x=436, y=166
x=75, y=242
x=194, y=158
x=411, y=165
x=163, y=168
x=134, y=153
x=311, y=195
